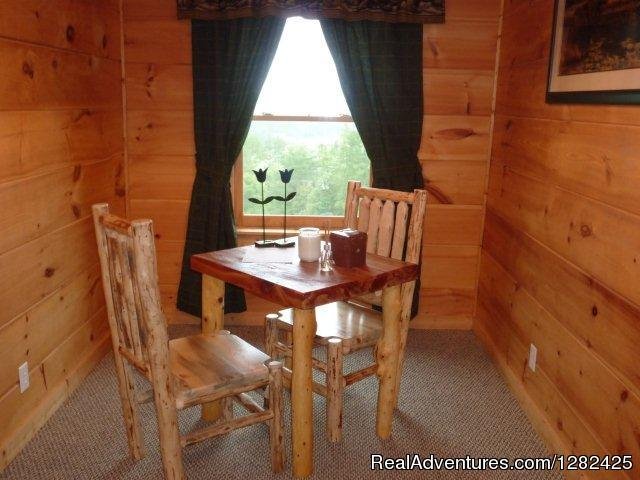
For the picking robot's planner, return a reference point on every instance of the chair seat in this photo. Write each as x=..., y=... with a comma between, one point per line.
x=355, y=325
x=204, y=365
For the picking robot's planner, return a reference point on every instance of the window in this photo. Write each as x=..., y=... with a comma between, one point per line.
x=301, y=121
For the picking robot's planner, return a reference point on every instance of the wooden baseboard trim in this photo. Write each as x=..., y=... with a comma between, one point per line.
x=453, y=322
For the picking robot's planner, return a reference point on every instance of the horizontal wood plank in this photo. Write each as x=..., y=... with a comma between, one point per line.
x=458, y=92
x=35, y=334
x=160, y=133
x=155, y=86
x=63, y=197
x=455, y=181
x=455, y=137
x=601, y=240
x=40, y=78
x=161, y=177
x=35, y=142
x=36, y=269
x=460, y=44
x=453, y=225
x=31, y=409
x=550, y=413
x=449, y=266
x=169, y=217
x=600, y=399
x=604, y=321
x=562, y=153
x=81, y=26
x=158, y=41
x=150, y=9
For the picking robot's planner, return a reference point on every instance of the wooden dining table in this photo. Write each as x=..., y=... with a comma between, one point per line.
x=302, y=286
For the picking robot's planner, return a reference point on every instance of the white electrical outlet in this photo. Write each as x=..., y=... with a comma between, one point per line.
x=533, y=356
x=23, y=375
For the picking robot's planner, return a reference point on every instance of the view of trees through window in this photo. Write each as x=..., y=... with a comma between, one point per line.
x=324, y=156
x=303, y=83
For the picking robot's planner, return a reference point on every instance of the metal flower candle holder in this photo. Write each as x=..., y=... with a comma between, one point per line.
x=261, y=176
x=285, y=176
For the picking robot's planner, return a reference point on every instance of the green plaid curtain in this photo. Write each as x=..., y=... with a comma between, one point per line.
x=380, y=69
x=231, y=59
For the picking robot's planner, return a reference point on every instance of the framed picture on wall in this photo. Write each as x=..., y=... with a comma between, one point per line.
x=595, y=52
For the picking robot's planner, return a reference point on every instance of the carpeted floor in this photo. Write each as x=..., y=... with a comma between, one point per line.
x=453, y=403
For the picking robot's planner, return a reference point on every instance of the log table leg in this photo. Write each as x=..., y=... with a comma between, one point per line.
x=388, y=359
x=212, y=321
x=304, y=330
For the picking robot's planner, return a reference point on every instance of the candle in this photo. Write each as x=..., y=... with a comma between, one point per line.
x=309, y=244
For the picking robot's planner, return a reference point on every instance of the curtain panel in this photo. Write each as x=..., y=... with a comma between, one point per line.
x=231, y=60
x=405, y=11
x=379, y=65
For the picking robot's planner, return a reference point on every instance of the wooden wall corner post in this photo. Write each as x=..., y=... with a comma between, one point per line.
x=304, y=330
x=212, y=321
x=388, y=359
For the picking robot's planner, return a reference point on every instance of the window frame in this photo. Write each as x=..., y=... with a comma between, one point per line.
x=247, y=221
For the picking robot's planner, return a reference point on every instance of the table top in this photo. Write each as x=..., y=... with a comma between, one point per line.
x=302, y=284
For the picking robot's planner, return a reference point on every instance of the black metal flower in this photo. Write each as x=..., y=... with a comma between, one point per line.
x=261, y=175
x=285, y=175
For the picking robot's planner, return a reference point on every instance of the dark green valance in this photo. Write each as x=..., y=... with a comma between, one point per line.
x=404, y=11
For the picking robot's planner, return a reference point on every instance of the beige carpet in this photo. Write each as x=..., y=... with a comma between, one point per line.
x=453, y=403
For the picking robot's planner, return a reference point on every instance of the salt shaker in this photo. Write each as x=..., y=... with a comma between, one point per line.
x=326, y=258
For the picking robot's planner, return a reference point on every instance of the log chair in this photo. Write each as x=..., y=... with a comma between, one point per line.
x=393, y=222
x=182, y=372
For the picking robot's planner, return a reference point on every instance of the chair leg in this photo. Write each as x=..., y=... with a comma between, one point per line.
x=270, y=340
x=126, y=386
x=170, y=448
x=288, y=340
x=271, y=334
x=335, y=389
x=227, y=409
x=404, y=333
x=276, y=423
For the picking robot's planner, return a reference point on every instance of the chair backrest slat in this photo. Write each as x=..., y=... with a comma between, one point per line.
x=385, y=230
x=130, y=284
x=116, y=286
x=393, y=222
x=400, y=230
x=375, y=211
x=351, y=206
x=363, y=214
x=131, y=307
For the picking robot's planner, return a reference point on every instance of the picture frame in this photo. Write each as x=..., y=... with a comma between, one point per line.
x=594, y=63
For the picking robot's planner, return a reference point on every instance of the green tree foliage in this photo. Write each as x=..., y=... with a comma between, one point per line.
x=324, y=155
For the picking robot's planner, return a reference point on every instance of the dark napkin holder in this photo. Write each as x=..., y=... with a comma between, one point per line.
x=348, y=247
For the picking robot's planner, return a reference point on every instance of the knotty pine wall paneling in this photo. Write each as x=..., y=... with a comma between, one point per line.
x=459, y=72
x=459, y=63
x=61, y=149
x=560, y=263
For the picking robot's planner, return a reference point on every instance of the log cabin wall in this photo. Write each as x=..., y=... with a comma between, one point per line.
x=459, y=61
x=61, y=149
x=560, y=259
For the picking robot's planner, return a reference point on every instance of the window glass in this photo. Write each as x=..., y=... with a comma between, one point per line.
x=324, y=154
